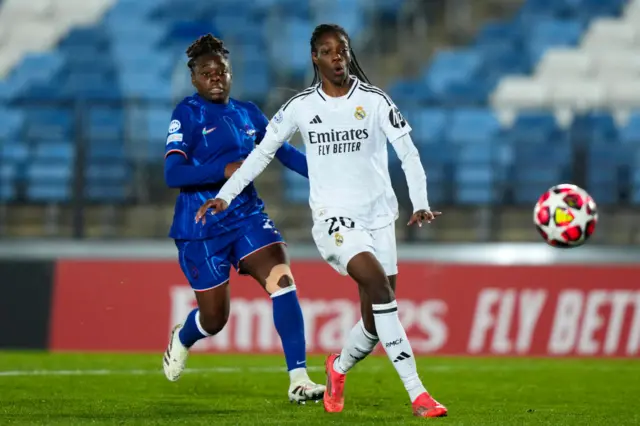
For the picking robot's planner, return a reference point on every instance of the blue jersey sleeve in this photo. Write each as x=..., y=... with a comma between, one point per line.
x=288, y=154
x=179, y=135
x=179, y=170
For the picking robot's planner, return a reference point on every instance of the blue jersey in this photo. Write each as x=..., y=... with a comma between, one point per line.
x=203, y=138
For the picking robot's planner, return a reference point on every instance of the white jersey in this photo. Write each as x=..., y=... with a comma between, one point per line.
x=346, y=148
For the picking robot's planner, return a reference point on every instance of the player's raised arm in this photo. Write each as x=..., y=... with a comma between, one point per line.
x=397, y=130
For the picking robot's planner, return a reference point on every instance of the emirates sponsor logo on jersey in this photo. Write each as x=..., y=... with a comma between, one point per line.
x=338, y=141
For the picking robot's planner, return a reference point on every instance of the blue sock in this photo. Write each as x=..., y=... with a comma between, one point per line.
x=191, y=330
x=287, y=317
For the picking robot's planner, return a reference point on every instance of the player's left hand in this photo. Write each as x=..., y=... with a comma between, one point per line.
x=423, y=216
x=217, y=205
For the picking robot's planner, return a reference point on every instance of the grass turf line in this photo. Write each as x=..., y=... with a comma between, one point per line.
x=240, y=390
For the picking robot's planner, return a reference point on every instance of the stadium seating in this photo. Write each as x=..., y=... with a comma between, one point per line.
x=498, y=120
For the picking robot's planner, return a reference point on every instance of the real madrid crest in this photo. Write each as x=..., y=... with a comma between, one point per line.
x=338, y=238
x=360, y=114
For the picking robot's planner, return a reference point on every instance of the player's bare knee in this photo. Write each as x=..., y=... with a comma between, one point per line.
x=213, y=321
x=279, y=278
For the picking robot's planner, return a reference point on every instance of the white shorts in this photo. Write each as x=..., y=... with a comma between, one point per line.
x=339, y=240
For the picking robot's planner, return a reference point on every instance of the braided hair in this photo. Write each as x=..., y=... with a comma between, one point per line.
x=205, y=45
x=354, y=66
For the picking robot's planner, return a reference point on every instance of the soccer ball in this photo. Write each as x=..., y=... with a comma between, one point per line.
x=565, y=216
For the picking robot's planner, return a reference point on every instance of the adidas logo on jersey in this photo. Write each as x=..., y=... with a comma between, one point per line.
x=316, y=120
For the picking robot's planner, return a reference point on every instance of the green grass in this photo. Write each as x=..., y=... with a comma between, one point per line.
x=246, y=390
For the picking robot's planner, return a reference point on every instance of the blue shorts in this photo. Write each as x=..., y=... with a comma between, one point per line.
x=207, y=263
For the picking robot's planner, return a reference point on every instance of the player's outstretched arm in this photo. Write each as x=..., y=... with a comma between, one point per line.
x=288, y=155
x=256, y=162
x=416, y=180
x=293, y=159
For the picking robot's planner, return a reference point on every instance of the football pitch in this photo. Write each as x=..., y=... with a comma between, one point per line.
x=114, y=389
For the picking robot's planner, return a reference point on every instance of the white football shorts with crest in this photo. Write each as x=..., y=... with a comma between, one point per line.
x=339, y=239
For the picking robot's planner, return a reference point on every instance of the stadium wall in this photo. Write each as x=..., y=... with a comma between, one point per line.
x=469, y=300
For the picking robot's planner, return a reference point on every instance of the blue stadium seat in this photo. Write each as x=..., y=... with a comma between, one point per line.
x=49, y=182
x=36, y=67
x=106, y=193
x=142, y=85
x=251, y=81
x=478, y=153
x=588, y=9
x=534, y=127
x=48, y=172
x=134, y=59
x=8, y=91
x=107, y=181
x=295, y=35
x=107, y=173
x=345, y=13
x=497, y=32
x=475, y=184
x=62, y=151
x=91, y=36
x=387, y=9
x=183, y=32
x=503, y=58
x=12, y=122
x=630, y=132
x=138, y=9
x=49, y=192
x=595, y=127
x=239, y=27
x=8, y=176
x=90, y=86
x=409, y=93
x=136, y=36
x=450, y=67
x=104, y=123
x=429, y=125
x=548, y=33
x=49, y=123
x=473, y=126
x=7, y=192
x=106, y=150
x=157, y=124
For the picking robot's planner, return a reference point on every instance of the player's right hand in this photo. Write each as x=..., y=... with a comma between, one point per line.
x=217, y=205
x=423, y=216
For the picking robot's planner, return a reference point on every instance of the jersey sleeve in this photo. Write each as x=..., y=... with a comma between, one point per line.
x=179, y=135
x=393, y=124
x=283, y=124
x=281, y=127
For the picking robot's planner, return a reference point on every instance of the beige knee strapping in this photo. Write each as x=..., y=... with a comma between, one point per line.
x=277, y=272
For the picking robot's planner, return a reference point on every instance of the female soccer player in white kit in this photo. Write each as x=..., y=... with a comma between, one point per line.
x=345, y=124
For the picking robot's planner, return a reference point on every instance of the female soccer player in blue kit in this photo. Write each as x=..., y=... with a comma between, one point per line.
x=210, y=134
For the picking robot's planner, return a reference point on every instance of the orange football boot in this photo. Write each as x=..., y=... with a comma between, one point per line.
x=334, y=394
x=426, y=406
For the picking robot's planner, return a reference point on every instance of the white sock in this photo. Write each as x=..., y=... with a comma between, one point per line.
x=298, y=375
x=360, y=343
x=395, y=343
